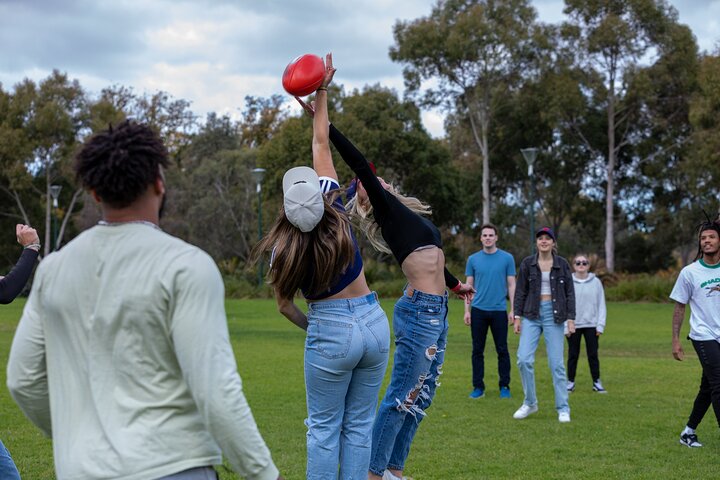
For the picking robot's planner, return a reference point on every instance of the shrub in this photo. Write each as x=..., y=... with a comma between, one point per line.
x=640, y=287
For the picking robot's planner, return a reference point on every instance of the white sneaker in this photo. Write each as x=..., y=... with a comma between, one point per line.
x=524, y=411
x=564, y=417
x=597, y=386
x=570, y=386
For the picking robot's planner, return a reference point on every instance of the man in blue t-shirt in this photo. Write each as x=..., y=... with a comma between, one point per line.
x=492, y=272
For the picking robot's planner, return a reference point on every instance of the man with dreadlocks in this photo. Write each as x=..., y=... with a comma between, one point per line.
x=122, y=353
x=699, y=285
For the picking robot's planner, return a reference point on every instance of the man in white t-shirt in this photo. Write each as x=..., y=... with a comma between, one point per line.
x=699, y=285
x=122, y=354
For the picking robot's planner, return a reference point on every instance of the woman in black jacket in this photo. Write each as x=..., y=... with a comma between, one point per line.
x=544, y=302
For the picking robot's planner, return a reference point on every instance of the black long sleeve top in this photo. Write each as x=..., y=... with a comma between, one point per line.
x=12, y=284
x=403, y=230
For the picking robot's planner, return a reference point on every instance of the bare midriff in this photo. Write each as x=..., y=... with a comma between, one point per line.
x=358, y=288
x=425, y=270
x=545, y=298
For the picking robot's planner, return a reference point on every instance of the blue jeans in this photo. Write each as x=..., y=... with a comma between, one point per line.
x=421, y=327
x=554, y=343
x=8, y=470
x=346, y=354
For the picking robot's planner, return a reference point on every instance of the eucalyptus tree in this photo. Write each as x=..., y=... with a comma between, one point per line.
x=472, y=53
x=613, y=40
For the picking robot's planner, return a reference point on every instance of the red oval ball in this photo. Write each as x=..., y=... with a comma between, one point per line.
x=303, y=75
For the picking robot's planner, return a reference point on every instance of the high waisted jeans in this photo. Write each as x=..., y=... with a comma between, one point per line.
x=346, y=354
x=8, y=471
x=554, y=344
x=421, y=327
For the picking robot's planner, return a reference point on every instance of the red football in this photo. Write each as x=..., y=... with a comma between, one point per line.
x=303, y=75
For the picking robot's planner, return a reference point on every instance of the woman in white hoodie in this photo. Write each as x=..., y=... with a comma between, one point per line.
x=589, y=321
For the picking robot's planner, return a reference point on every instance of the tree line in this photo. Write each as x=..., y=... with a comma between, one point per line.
x=621, y=105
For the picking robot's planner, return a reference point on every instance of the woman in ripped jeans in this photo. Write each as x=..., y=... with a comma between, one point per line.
x=397, y=224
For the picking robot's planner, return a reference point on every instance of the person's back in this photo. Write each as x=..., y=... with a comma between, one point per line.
x=124, y=339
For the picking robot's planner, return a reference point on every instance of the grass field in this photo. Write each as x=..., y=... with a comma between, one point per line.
x=630, y=433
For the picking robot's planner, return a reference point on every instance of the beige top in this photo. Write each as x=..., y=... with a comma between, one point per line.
x=123, y=356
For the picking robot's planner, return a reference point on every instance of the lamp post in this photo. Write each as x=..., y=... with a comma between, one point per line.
x=257, y=175
x=55, y=193
x=530, y=154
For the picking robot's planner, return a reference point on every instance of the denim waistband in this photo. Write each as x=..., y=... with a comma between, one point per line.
x=369, y=299
x=422, y=297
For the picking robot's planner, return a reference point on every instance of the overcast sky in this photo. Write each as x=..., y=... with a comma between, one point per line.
x=215, y=52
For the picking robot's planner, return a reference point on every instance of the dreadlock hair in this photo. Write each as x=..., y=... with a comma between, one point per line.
x=707, y=225
x=362, y=214
x=119, y=163
x=312, y=260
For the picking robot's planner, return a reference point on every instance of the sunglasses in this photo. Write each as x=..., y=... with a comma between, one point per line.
x=582, y=263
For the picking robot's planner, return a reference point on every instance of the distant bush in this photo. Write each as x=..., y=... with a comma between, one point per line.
x=641, y=287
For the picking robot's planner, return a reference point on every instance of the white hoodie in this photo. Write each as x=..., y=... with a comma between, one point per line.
x=589, y=303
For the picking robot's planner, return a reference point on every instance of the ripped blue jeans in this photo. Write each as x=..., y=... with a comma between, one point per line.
x=421, y=328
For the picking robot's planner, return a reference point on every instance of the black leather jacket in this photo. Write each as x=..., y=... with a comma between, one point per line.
x=527, y=290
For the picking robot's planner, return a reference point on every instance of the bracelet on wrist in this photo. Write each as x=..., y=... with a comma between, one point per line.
x=322, y=88
x=33, y=246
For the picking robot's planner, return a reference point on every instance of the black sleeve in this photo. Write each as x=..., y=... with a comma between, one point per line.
x=569, y=292
x=13, y=283
x=357, y=162
x=450, y=280
x=521, y=290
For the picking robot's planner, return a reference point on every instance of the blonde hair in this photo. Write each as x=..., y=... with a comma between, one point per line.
x=313, y=260
x=362, y=214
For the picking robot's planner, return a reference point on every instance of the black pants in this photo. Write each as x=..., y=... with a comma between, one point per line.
x=708, y=353
x=591, y=344
x=497, y=321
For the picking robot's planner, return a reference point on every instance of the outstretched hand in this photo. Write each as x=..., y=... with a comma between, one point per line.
x=329, y=71
x=464, y=291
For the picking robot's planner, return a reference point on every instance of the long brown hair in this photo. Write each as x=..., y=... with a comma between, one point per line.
x=313, y=260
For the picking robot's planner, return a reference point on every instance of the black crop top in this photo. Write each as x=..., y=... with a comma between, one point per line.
x=403, y=230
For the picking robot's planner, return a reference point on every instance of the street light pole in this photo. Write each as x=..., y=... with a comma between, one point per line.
x=530, y=154
x=55, y=194
x=257, y=175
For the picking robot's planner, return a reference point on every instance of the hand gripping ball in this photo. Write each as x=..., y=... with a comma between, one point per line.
x=303, y=75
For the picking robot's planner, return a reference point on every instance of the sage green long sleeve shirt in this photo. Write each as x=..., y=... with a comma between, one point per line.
x=123, y=356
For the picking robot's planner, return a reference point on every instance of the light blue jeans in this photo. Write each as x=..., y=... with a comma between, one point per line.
x=8, y=470
x=346, y=354
x=554, y=344
x=421, y=328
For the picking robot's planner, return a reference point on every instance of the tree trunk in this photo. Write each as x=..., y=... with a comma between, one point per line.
x=68, y=214
x=48, y=210
x=481, y=140
x=610, y=190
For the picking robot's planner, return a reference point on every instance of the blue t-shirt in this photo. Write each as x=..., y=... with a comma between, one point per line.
x=490, y=272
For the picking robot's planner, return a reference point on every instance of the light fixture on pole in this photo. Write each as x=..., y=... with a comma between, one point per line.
x=55, y=194
x=530, y=154
x=258, y=174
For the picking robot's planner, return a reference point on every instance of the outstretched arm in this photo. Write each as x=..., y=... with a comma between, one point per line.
x=12, y=284
x=356, y=161
x=322, y=158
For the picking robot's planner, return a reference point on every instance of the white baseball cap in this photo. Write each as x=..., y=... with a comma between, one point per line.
x=303, y=199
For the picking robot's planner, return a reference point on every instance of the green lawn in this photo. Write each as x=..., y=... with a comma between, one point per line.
x=630, y=433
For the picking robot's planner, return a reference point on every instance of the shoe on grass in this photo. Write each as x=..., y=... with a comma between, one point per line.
x=597, y=386
x=524, y=411
x=564, y=417
x=505, y=392
x=477, y=393
x=690, y=440
x=570, y=386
